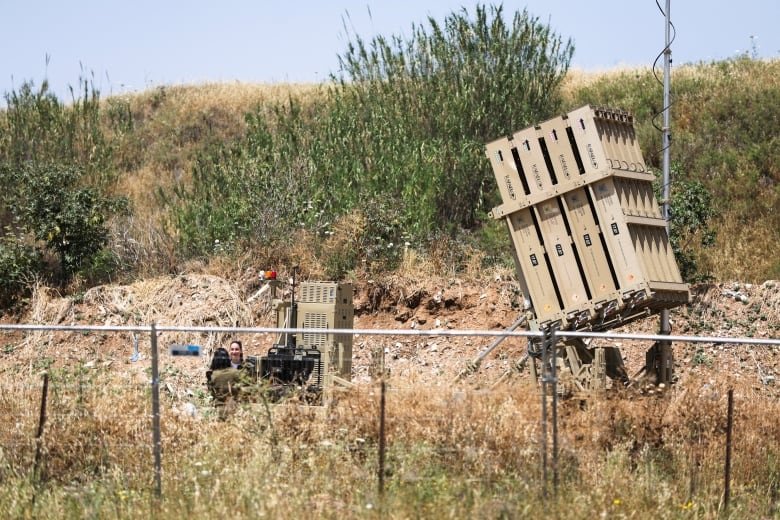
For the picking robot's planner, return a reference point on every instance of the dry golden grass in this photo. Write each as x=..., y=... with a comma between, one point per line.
x=170, y=125
x=232, y=97
x=760, y=74
x=577, y=79
x=753, y=78
x=452, y=452
x=733, y=256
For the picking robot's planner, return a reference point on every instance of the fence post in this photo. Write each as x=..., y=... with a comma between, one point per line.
x=41, y=422
x=554, y=381
x=544, y=375
x=382, y=445
x=729, y=426
x=156, y=414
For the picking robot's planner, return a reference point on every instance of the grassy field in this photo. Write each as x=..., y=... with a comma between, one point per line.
x=451, y=453
x=721, y=118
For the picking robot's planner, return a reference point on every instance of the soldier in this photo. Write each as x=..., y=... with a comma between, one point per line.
x=224, y=377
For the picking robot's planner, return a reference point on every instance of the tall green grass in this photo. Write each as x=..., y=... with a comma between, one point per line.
x=410, y=116
x=36, y=126
x=388, y=156
x=397, y=138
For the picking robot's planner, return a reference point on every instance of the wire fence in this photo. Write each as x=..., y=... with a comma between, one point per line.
x=69, y=420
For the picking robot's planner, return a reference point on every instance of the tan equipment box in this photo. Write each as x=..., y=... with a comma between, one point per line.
x=588, y=237
x=327, y=305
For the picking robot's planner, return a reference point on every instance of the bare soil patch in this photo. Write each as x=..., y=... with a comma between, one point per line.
x=394, y=303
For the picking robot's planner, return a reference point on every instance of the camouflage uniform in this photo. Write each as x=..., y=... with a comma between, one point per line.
x=223, y=381
x=225, y=384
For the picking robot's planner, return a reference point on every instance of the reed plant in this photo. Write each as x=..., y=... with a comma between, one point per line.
x=393, y=141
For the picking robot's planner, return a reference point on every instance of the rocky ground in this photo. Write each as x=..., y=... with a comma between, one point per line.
x=728, y=310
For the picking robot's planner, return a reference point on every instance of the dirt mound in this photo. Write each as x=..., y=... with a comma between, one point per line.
x=187, y=300
x=394, y=303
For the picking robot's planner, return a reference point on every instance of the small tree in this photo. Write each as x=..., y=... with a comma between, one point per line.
x=69, y=219
x=691, y=210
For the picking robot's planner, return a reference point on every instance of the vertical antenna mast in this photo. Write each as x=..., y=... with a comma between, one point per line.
x=667, y=136
x=666, y=346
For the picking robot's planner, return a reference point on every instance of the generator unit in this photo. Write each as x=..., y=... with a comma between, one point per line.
x=589, y=242
x=327, y=305
x=309, y=361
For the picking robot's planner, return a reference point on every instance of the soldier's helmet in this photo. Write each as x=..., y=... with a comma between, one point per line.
x=220, y=360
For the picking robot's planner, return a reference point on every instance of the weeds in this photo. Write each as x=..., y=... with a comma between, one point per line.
x=456, y=452
x=395, y=136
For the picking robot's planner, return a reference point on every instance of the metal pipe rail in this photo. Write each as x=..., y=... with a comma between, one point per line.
x=774, y=342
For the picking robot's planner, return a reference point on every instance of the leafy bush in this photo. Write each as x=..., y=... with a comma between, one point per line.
x=690, y=223
x=101, y=267
x=19, y=266
x=56, y=165
x=689, y=230
x=70, y=220
x=398, y=138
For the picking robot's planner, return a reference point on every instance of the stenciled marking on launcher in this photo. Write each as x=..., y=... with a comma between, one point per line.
x=510, y=189
x=592, y=156
x=537, y=176
x=564, y=166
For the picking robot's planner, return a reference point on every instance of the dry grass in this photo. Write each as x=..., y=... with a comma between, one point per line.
x=170, y=126
x=231, y=97
x=577, y=79
x=733, y=255
x=452, y=452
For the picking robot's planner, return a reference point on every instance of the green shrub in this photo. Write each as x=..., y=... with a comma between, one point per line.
x=69, y=219
x=19, y=267
x=398, y=138
x=690, y=223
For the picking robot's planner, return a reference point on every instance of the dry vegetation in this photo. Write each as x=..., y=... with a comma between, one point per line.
x=453, y=451
x=158, y=136
x=172, y=125
x=465, y=450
